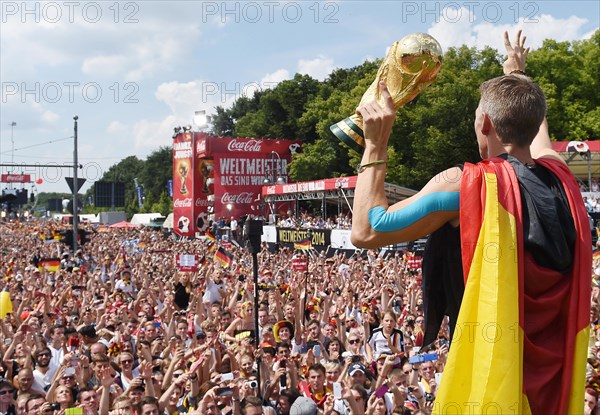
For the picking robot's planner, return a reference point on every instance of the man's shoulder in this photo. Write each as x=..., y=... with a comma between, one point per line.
x=445, y=181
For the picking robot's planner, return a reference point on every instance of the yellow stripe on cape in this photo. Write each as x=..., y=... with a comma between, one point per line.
x=484, y=371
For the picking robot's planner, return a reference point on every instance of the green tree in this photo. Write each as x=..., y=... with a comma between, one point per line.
x=569, y=74
x=157, y=170
x=164, y=204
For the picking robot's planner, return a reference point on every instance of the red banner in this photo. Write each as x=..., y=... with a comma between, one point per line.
x=183, y=185
x=208, y=146
x=16, y=178
x=239, y=178
x=300, y=263
x=223, y=176
x=316, y=185
x=415, y=262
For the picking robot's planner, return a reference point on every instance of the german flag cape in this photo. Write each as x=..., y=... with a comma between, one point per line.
x=502, y=360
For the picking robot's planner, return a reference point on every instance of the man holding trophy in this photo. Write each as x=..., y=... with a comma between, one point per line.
x=524, y=254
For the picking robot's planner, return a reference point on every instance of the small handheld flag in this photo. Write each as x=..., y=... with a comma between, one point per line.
x=303, y=245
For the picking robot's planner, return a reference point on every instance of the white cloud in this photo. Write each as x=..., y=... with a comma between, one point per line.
x=116, y=127
x=271, y=80
x=458, y=27
x=318, y=68
x=148, y=135
x=47, y=116
x=589, y=34
x=106, y=65
x=104, y=48
x=50, y=117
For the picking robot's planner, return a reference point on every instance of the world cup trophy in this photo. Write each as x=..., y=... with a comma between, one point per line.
x=183, y=170
x=411, y=64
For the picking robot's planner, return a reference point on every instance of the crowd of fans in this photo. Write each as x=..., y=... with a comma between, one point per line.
x=118, y=329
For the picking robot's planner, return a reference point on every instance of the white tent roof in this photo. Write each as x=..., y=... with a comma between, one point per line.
x=168, y=223
x=144, y=218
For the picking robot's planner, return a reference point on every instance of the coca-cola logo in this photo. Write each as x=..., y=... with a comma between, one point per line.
x=201, y=146
x=202, y=202
x=249, y=145
x=183, y=203
x=342, y=182
x=242, y=198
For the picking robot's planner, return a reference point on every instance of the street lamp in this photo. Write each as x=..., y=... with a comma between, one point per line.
x=200, y=119
x=12, y=127
x=272, y=171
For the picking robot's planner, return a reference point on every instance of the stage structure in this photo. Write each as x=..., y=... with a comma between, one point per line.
x=217, y=177
x=335, y=191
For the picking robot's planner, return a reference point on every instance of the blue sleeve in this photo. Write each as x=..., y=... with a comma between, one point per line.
x=381, y=221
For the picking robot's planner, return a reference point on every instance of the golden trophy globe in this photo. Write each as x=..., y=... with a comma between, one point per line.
x=411, y=64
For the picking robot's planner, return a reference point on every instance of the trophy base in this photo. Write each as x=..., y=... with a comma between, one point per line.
x=350, y=134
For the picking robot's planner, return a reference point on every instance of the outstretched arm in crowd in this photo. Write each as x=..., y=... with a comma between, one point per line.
x=233, y=298
x=106, y=381
x=326, y=304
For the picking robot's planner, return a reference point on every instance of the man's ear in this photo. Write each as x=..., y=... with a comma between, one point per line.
x=486, y=125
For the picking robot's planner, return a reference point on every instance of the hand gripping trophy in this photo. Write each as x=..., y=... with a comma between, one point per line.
x=411, y=64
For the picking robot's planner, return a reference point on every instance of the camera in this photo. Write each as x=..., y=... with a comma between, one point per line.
x=252, y=384
x=55, y=407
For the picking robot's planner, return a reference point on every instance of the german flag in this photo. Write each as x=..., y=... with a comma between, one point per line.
x=209, y=235
x=223, y=257
x=596, y=254
x=212, y=247
x=49, y=264
x=497, y=359
x=57, y=236
x=303, y=245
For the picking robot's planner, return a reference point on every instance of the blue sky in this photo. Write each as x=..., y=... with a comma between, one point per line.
x=133, y=70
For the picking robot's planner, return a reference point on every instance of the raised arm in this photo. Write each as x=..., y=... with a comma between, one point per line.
x=515, y=63
x=374, y=222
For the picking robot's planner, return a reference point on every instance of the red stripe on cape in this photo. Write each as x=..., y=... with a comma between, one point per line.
x=553, y=307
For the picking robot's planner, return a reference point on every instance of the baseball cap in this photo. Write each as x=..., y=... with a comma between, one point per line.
x=303, y=406
x=355, y=367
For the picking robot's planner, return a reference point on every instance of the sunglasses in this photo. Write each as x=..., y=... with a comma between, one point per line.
x=176, y=375
x=126, y=361
x=68, y=377
x=4, y=392
x=353, y=341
